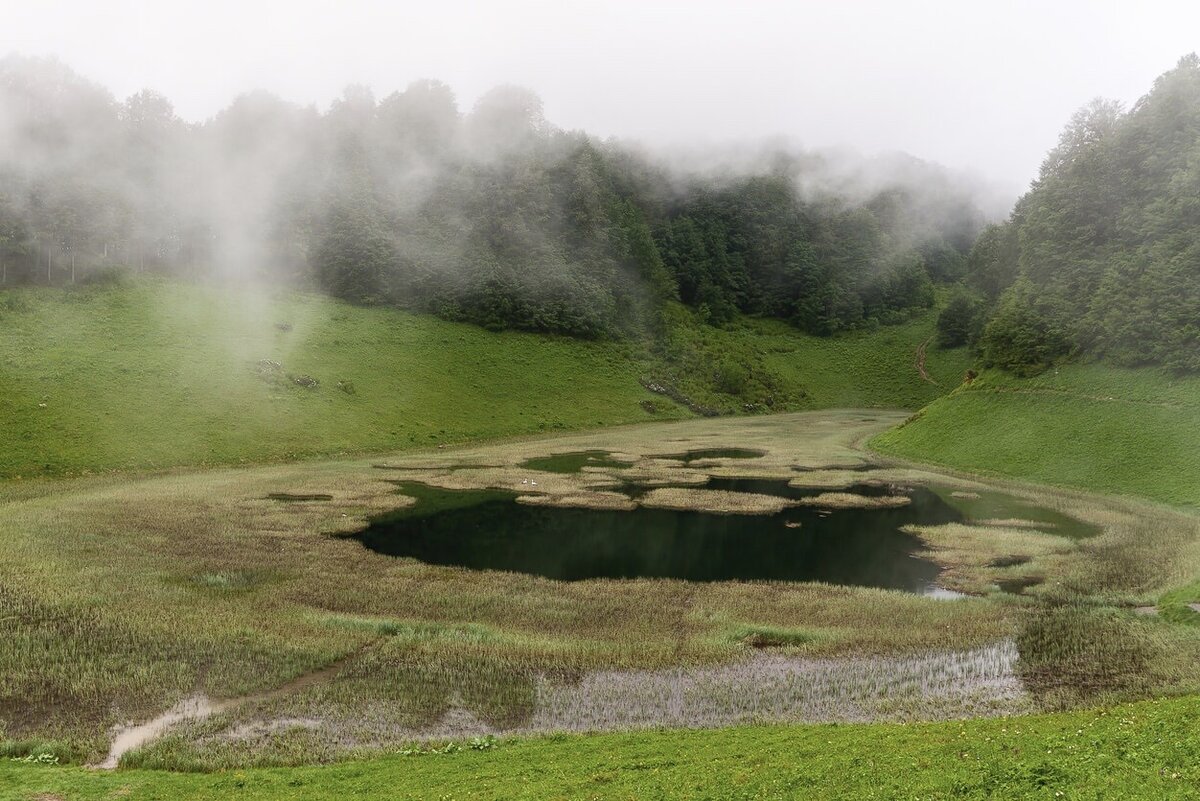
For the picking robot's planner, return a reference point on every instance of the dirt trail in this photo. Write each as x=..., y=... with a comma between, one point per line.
x=920, y=363
x=199, y=707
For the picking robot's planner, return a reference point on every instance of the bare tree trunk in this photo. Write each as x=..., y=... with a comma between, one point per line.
x=49, y=265
x=72, y=265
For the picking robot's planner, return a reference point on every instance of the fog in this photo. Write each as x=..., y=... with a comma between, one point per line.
x=493, y=213
x=972, y=86
x=565, y=169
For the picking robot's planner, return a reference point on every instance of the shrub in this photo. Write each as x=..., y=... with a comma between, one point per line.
x=959, y=323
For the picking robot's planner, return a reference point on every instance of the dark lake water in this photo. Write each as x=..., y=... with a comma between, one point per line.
x=489, y=530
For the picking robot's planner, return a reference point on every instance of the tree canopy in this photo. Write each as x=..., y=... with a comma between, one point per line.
x=1101, y=257
x=492, y=216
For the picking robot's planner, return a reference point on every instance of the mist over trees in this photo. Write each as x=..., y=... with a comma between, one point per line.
x=1101, y=258
x=493, y=216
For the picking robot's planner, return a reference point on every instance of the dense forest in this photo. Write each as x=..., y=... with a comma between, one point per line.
x=493, y=216
x=1101, y=258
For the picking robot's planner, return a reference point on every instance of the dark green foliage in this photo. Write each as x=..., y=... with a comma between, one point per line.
x=1107, y=241
x=959, y=322
x=992, y=264
x=754, y=246
x=1028, y=332
x=731, y=377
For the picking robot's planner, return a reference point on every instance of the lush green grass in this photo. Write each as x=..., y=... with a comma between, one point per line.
x=856, y=370
x=159, y=374
x=1137, y=751
x=1090, y=426
x=834, y=370
x=147, y=374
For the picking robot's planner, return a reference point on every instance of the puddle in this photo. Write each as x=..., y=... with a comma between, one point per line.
x=488, y=530
x=944, y=594
x=767, y=687
x=1018, y=585
x=572, y=462
x=857, y=467
x=131, y=737
x=996, y=507
x=776, y=688
x=199, y=707
x=696, y=455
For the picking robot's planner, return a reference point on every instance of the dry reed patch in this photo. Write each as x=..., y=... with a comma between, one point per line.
x=718, y=501
x=810, y=439
x=830, y=479
x=975, y=558
x=1014, y=522
x=581, y=500
x=850, y=500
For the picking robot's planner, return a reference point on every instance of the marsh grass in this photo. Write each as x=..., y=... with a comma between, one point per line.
x=120, y=597
x=715, y=501
x=505, y=699
x=851, y=500
x=976, y=558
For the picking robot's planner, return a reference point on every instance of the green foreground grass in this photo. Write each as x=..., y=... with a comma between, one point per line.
x=150, y=374
x=1134, y=751
x=1123, y=431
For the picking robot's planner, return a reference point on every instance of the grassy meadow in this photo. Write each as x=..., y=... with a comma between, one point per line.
x=1114, y=430
x=144, y=375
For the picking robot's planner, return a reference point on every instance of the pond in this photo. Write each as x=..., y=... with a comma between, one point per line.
x=490, y=530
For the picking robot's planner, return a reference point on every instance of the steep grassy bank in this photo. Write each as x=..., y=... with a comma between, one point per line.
x=1092, y=426
x=1135, y=751
x=147, y=374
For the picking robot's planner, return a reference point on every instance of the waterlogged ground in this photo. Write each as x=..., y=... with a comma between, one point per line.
x=121, y=598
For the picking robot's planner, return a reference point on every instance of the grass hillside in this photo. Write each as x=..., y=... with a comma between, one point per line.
x=1136, y=751
x=150, y=374
x=1126, y=431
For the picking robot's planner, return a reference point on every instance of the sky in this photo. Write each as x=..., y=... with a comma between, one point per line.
x=974, y=86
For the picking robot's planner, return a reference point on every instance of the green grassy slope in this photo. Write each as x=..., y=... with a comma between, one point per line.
x=834, y=371
x=1135, y=751
x=156, y=374
x=1091, y=426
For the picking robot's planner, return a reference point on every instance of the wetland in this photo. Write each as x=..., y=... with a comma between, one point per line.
x=695, y=573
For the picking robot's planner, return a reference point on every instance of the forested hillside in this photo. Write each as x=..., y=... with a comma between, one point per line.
x=493, y=216
x=1102, y=257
